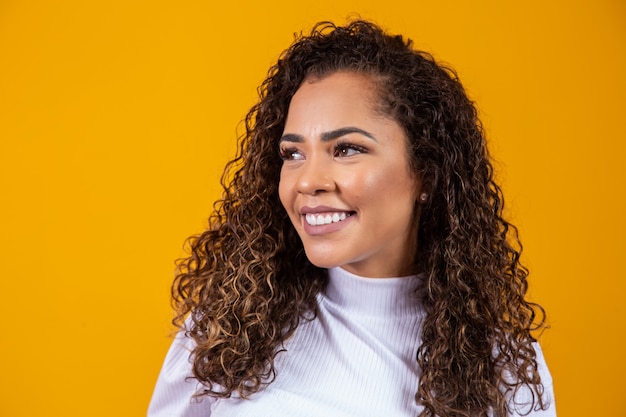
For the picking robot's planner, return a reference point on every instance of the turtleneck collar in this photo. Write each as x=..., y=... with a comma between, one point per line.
x=373, y=296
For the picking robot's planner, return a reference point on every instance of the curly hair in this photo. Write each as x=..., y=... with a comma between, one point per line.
x=247, y=283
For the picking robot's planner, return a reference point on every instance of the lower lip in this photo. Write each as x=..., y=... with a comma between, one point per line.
x=326, y=228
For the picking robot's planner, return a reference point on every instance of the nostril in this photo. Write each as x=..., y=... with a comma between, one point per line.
x=315, y=184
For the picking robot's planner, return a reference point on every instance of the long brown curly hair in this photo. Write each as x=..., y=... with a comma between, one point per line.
x=247, y=282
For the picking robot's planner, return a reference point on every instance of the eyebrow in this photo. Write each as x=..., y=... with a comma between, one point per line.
x=328, y=136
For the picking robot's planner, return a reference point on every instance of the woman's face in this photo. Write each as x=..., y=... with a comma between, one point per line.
x=345, y=180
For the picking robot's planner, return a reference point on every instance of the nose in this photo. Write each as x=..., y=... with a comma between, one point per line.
x=315, y=177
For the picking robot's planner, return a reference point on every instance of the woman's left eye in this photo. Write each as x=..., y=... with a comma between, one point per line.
x=343, y=150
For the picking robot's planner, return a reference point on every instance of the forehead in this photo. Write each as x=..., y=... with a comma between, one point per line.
x=337, y=94
x=340, y=102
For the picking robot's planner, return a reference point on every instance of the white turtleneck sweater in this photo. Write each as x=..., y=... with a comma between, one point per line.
x=356, y=359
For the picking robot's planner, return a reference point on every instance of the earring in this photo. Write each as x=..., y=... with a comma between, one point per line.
x=423, y=197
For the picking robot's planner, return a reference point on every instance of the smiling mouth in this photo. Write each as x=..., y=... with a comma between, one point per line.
x=319, y=219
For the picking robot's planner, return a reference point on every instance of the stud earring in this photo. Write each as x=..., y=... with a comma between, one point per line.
x=423, y=197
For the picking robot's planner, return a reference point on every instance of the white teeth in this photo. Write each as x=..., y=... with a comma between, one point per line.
x=321, y=219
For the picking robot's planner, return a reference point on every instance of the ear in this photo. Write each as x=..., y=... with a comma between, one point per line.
x=422, y=192
x=424, y=187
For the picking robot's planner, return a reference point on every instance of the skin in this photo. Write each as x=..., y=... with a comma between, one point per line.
x=343, y=158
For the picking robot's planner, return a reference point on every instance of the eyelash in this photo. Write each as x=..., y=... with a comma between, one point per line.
x=286, y=154
x=347, y=146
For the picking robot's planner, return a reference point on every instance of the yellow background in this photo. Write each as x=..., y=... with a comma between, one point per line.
x=117, y=117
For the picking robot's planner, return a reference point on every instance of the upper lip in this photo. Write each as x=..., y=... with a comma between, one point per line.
x=321, y=209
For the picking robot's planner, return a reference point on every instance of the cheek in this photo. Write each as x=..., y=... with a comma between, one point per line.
x=382, y=181
x=284, y=191
x=393, y=185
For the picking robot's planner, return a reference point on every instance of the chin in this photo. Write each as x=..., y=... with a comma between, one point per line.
x=321, y=260
x=322, y=264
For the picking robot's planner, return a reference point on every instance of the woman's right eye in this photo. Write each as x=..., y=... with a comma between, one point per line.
x=291, y=154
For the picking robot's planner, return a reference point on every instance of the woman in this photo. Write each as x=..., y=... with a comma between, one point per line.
x=358, y=263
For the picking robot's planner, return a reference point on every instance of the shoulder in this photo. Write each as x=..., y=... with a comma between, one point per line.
x=523, y=398
x=175, y=388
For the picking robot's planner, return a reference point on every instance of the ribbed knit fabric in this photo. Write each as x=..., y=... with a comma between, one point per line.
x=356, y=359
